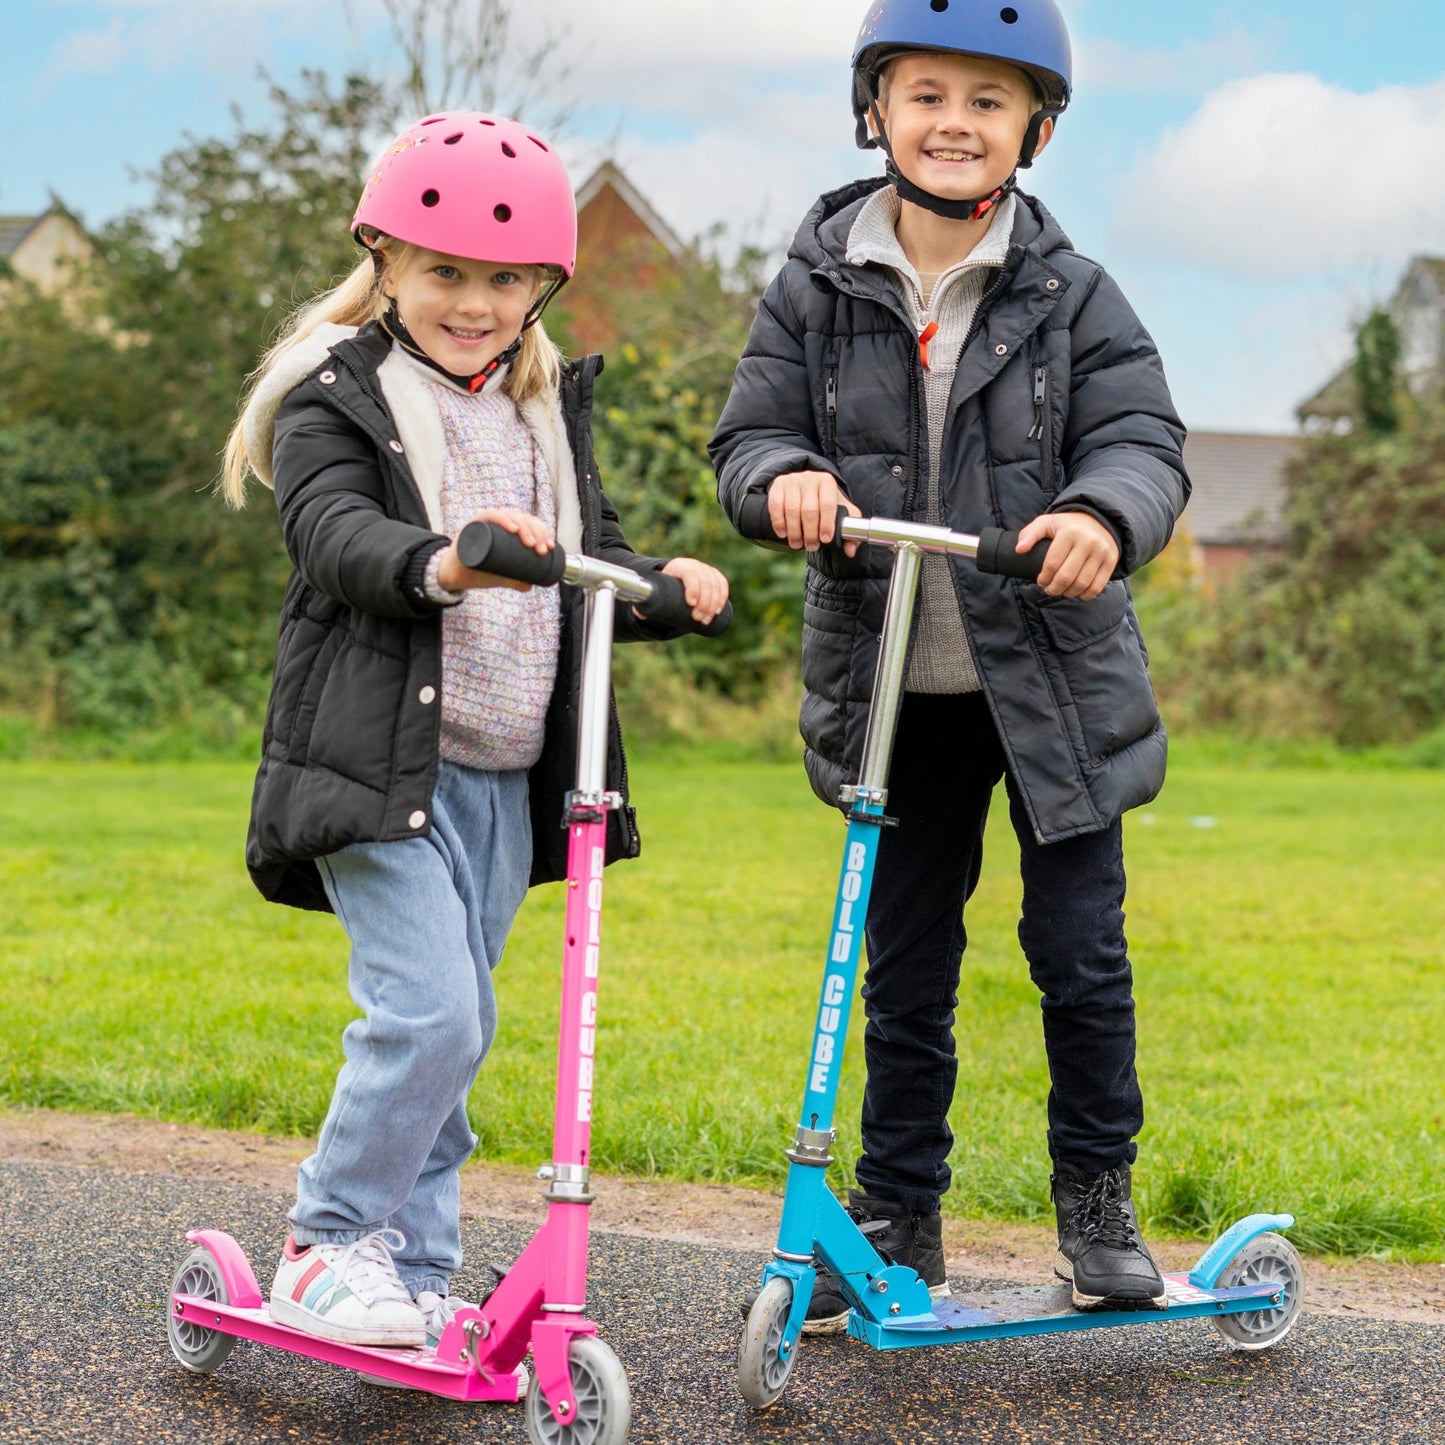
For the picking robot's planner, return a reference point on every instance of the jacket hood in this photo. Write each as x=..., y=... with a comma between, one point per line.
x=822, y=238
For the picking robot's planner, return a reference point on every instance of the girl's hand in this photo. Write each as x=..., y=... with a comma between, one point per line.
x=527, y=528
x=704, y=587
x=1081, y=558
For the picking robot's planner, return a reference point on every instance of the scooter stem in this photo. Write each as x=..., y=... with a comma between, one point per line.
x=888, y=683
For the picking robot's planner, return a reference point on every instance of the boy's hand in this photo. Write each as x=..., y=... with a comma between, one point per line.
x=704, y=588
x=803, y=507
x=1081, y=558
x=529, y=529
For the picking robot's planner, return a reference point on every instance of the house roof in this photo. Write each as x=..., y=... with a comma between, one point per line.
x=14, y=229
x=1239, y=488
x=1338, y=397
x=609, y=174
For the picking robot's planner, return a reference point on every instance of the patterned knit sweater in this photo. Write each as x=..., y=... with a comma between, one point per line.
x=941, y=660
x=499, y=647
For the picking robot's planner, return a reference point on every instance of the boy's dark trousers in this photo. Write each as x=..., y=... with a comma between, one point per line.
x=946, y=761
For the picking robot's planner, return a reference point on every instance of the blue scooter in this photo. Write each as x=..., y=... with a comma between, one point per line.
x=1249, y=1282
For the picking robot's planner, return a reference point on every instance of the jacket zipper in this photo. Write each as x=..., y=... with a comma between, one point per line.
x=830, y=407
x=1042, y=430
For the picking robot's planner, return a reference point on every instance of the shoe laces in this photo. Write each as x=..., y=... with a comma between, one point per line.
x=1102, y=1213
x=366, y=1268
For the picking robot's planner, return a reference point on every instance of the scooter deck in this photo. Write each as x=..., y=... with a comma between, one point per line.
x=1049, y=1309
x=444, y=1370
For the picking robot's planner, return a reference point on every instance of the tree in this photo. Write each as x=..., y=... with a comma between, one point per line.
x=1342, y=634
x=1377, y=367
x=449, y=54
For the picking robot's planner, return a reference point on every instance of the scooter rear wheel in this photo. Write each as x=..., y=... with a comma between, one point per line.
x=200, y=1350
x=1266, y=1259
x=763, y=1370
x=604, y=1401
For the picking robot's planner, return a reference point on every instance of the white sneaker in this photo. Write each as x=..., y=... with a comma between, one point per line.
x=437, y=1310
x=347, y=1292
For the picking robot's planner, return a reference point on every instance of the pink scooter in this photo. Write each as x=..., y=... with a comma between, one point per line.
x=579, y=1393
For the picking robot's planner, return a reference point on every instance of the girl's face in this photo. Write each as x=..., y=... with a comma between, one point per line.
x=957, y=122
x=461, y=313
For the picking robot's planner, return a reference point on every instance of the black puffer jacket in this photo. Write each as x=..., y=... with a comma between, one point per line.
x=831, y=381
x=350, y=749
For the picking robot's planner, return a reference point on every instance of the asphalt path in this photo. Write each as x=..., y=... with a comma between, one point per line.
x=87, y=1255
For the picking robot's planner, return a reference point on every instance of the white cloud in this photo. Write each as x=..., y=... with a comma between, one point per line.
x=1285, y=174
x=1189, y=69
x=90, y=52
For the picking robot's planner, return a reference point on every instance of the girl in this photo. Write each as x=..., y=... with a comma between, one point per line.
x=419, y=736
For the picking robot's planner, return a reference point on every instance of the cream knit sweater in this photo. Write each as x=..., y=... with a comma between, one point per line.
x=941, y=661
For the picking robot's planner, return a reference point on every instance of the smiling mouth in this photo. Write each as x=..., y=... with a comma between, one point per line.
x=457, y=334
x=952, y=156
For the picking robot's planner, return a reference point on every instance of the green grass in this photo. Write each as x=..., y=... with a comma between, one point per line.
x=1290, y=983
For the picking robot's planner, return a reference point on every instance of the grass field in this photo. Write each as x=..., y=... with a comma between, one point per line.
x=1285, y=926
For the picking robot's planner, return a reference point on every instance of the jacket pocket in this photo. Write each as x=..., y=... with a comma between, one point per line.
x=1042, y=432
x=829, y=432
x=1096, y=667
x=830, y=628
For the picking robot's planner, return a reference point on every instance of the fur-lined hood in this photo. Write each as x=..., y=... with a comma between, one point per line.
x=418, y=424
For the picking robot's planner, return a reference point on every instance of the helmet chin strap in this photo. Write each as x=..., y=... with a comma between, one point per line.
x=395, y=328
x=974, y=209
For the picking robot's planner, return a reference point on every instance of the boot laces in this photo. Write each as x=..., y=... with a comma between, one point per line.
x=1102, y=1214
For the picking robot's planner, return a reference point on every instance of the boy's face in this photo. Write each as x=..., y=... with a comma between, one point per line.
x=956, y=123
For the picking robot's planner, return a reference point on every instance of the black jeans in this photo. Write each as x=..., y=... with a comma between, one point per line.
x=946, y=761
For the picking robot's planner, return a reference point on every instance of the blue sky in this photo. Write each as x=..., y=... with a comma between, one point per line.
x=1256, y=176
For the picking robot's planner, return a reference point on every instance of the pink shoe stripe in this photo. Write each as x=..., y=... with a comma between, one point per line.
x=304, y=1282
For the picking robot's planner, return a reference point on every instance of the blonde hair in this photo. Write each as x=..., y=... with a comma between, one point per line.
x=354, y=301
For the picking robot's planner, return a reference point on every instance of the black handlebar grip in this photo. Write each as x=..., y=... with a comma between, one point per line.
x=486, y=547
x=667, y=607
x=755, y=524
x=996, y=554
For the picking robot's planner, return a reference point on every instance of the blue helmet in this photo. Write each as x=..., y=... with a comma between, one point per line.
x=1030, y=34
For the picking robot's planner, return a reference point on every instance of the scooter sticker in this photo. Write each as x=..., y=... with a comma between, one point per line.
x=835, y=985
x=587, y=1032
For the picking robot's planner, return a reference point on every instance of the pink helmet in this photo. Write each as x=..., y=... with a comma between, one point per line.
x=473, y=185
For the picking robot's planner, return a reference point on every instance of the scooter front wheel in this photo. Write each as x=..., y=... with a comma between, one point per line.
x=763, y=1369
x=604, y=1401
x=1266, y=1259
x=200, y=1350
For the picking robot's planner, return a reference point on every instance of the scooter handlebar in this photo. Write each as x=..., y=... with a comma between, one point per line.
x=485, y=547
x=997, y=553
x=993, y=549
x=667, y=607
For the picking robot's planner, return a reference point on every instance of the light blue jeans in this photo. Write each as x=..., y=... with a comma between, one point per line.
x=427, y=918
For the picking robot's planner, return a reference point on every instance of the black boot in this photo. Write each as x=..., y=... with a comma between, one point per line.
x=1100, y=1249
x=900, y=1236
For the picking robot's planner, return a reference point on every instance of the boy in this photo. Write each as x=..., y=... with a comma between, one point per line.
x=935, y=350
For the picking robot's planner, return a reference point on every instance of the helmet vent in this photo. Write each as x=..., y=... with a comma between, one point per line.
x=484, y=121
x=451, y=140
x=508, y=151
x=541, y=145
x=503, y=213
x=1009, y=15
x=939, y=5
x=430, y=198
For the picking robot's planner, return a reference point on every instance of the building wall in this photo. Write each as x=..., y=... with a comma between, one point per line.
x=618, y=257
x=49, y=253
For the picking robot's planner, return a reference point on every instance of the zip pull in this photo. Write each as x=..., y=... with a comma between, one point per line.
x=830, y=394
x=1041, y=383
x=924, y=337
